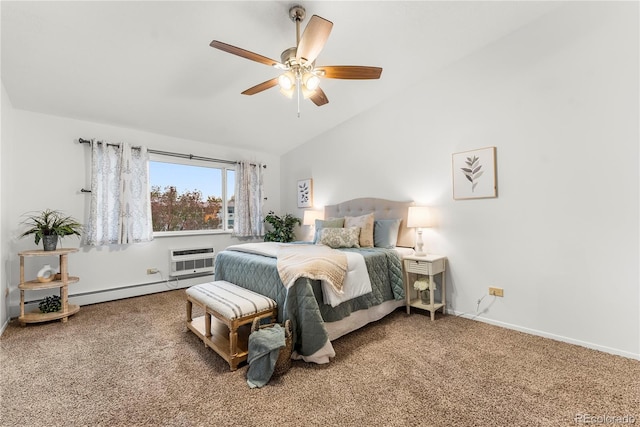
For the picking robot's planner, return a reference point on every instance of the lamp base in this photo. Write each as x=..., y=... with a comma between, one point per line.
x=419, y=249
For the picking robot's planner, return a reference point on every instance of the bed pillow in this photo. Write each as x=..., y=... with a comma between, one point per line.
x=340, y=237
x=327, y=223
x=365, y=223
x=385, y=233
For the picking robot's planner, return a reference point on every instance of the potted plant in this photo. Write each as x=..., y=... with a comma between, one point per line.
x=282, y=227
x=49, y=225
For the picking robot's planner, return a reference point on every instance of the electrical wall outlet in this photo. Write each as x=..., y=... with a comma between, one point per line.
x=152, y=270
x=498, y=292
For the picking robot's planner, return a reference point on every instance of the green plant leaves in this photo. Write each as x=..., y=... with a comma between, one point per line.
x=50, y=304
x=49, y=222
x=473, y=171
x=282, y=227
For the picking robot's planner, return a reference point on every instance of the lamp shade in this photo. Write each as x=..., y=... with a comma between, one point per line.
x=419, y=217
x=310, y=216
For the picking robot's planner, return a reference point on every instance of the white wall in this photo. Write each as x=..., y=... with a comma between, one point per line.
x=6, y=111
x=559, y=100
x=49, y=167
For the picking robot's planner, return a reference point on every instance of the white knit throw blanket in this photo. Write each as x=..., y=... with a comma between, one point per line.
x=317, y=262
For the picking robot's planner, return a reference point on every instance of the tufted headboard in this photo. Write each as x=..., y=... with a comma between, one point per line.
x=382, y=209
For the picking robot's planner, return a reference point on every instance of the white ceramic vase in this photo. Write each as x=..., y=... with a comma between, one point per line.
x=46, y=274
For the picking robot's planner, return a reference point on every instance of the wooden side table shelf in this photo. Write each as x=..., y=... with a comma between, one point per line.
x=428, y=265
x=62, y=283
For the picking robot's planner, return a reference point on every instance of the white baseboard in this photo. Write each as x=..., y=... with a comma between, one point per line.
x=94, y=297
x=4, y=326
x=567, y=340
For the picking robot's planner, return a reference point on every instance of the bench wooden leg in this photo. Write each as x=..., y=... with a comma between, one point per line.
x=189, y=310
x=207, y=324
x=233, y=364
x=233, y=338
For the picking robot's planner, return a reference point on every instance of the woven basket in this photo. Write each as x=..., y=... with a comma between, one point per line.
x=284, y=357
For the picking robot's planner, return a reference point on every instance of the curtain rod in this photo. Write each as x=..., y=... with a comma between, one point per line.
x=171, y=154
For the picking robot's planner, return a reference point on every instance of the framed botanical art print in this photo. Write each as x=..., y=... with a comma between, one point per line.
x=305, y=193
x=474, y=174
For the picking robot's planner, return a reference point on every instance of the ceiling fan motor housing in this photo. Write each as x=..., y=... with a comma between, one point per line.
x=297, y=13
x=288, y=57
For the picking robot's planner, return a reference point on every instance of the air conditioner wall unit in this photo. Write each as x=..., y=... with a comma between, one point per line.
x=188, y=261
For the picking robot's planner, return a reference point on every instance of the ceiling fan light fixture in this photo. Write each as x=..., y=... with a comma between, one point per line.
x=310, y=81
x=288, y=92
x=306, y=93
x=287, y=81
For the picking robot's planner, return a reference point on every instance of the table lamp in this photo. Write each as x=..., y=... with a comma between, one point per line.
x=310, y=216
x=419, y=217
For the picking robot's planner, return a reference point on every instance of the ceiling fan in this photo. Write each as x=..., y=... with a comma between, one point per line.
x=300, y=73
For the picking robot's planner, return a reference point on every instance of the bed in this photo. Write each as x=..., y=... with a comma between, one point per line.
x=314, y=319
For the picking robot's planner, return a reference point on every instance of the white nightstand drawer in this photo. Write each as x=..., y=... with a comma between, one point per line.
x=420, y=267
x=427, y=266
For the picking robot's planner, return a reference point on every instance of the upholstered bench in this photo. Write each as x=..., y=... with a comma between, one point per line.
x=233, y=309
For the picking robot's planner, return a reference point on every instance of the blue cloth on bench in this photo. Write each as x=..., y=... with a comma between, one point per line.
x=264, y=348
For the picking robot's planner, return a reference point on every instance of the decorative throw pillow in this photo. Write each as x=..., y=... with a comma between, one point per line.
x=385, y=233
x=365, y=223
x=340, y=237
x=327, y=223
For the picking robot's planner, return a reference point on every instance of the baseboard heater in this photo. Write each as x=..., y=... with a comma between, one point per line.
x=183, y=262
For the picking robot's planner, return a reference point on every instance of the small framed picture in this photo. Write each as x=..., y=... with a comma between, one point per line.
x=305, y=193
x=474, y=174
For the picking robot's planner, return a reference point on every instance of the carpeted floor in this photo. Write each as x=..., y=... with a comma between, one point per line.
x=134, y=363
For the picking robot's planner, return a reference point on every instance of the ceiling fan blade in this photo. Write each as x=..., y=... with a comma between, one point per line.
x=313, y=38
x=244, y=53
x=319, y=98
x=354, y=72
x=262, y=86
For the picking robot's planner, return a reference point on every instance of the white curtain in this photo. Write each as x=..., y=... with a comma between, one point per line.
x=248, y=220
x=120, y=210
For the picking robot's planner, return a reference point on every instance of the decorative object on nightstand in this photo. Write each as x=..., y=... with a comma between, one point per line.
x=425, y=268
x=419, y=217
x=423, y=286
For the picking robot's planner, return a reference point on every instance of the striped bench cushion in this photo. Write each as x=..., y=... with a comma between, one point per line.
x=230, y=300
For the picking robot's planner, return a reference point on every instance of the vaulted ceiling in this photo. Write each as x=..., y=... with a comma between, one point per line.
x=148, y=65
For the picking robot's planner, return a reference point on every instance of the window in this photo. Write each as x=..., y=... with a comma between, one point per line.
x=189, y=196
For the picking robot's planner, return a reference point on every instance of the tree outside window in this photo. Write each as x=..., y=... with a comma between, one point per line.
x=190, y=197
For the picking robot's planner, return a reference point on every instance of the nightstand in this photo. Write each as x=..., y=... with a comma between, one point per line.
x=430, y=266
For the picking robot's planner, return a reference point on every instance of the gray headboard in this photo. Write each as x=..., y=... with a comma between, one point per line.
x=382, y=209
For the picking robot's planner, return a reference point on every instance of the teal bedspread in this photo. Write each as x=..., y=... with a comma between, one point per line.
x=303, y=305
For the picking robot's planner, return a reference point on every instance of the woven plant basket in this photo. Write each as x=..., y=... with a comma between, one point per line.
x=284, y=357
